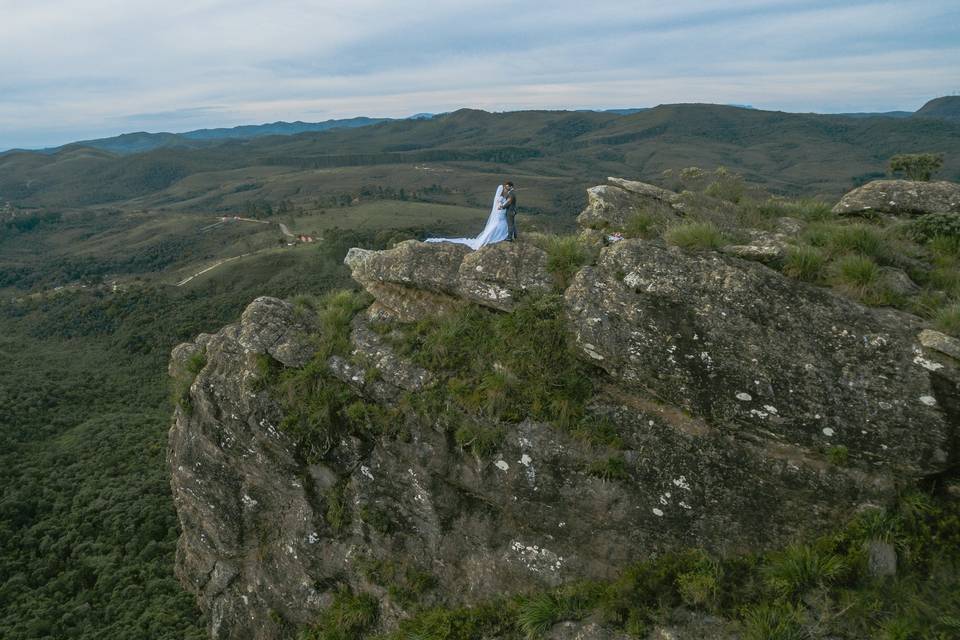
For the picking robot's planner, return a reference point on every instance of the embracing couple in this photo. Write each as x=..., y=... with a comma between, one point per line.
x=501, y=225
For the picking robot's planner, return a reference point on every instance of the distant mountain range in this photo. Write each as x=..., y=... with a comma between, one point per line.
x=566, y=151
x=947, y=108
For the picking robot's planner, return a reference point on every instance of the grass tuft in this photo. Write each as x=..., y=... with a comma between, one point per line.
x=800, y=568
x=805, y=263
x=947, y=319
x=779, y=621
x=695, y=236
x=565, y=256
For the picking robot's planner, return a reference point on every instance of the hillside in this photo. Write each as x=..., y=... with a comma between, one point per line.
x=945, y=108
x=797, y=154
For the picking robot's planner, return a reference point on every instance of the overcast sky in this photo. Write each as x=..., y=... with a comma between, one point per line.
x=75, y=69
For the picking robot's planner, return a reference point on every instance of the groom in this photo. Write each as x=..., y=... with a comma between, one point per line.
x=510, y=206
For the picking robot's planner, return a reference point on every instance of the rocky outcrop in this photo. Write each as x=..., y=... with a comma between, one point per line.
x=760, y=355
x=727, y=386
x=247, y=512
x=613, y=205
x=901, y=198
x=419, y=279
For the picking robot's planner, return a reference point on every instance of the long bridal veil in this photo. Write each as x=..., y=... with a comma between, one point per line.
x=495, y=230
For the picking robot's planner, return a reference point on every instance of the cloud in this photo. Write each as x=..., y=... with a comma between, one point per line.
x=72, y=69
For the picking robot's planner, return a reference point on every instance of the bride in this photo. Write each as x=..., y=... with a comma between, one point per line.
x=495, y=231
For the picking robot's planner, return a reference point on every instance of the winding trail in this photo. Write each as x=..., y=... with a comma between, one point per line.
x=284, y=229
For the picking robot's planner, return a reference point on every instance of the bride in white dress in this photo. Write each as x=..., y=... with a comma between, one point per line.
x=495, y=231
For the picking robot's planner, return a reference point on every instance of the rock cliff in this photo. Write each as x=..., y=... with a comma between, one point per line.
x=729, y=388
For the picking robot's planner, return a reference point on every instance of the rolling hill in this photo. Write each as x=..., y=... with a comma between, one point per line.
x=795, y=154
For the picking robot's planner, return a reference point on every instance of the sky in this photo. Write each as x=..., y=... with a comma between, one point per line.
x=81, y=69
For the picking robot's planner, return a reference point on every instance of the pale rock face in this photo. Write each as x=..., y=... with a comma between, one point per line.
x=613, y=205
x=415, y=280
x=700, y=330
x=901, y=197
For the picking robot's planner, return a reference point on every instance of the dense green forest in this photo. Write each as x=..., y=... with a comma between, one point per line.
x=87, y=525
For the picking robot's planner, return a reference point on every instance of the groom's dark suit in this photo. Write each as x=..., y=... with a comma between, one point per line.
x=511, y=209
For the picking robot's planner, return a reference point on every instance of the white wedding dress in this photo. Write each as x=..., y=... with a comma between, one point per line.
x=495, y=231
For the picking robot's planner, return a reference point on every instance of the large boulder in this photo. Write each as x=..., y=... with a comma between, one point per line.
x=762, y=356
x=272, y=326
x=411, y=281
x=901, y=197
x=613, y=205
x=420, y=279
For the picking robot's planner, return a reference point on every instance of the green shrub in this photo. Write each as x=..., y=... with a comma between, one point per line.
x=506, y=366
x=946, y=249
x=924, y=228
x=947, y=319
x=640, y=225
x=805, y=263
x=481, y=441
x=809, y=210
x=612, y=468
x=695, y=236
x=338, y=512
x=180, y=385
x=726, y=185
x=856, y=271
x=536, y=615
x=946, y=279
x=565, y=256
x=599, y=431
x=916, y=166
x=858, y=239
x=347, y=618
x=799, y=568
x=780, y=621
x=838, y=454
x=698, y=588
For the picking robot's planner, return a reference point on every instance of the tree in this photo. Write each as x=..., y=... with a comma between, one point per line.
x=917, y=166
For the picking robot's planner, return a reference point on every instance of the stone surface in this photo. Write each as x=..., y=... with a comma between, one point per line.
x=261, y=551
x=727, y=384
x=272, y=326
x=411, y=281
x=764, y=247
x=245, y=514
x=612, y=205
x=898, y=281
x=762, y=356
x=493, y=275
x=901, y=197
x=881, y=558
x=418, y=279
x=940, y=343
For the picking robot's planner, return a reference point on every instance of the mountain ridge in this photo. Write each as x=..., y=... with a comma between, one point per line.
x=140, y=141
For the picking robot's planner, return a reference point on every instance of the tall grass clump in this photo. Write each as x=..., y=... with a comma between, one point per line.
x=348, y=618
x=858, y=239
x=856, y=272
x=565, y=256
x=805, y=263
x=809, y=210
x=695, y=236
x=505, y=366
x=774, y=621
x=536, y=615
x=947, y=319
x=802, y=567
x=640, y=225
